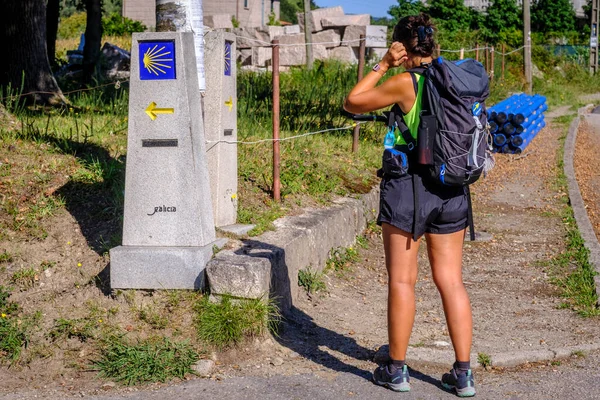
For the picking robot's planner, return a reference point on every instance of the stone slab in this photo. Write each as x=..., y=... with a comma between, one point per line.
x=218, y=21
x=345, y=20
x=291, y=29
x=328, y=38
x=296, y=55
x=376, y=54
x=261, y=56
x=344, y=54
x=167, y=188
x=315, y=17
x=296, y=38
x=220, y=125
x=239, y=275
x=375, y=35
x=237, y=229
x=247, y=38
x=274, y=31
x=146, y=267
x=244, y=56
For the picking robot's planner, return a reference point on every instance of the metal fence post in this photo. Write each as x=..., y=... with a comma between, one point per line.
x=276, y=153
x=361, y=69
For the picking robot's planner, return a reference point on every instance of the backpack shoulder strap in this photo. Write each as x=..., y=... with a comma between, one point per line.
x=396, y=116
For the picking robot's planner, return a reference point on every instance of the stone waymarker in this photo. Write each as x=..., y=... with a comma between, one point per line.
x=220, y=111
x=168, y=227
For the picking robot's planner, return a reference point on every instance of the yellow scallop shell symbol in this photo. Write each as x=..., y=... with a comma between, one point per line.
x=154, y=60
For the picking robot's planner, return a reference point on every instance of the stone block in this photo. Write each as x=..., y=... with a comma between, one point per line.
x=376, y=54
x=346, y=20
x=147, y=267
x=247, y=38
x=375, y=35
x=344, y=54
x=297, y=38
x=239, y=275
x=274, y=31
x=315, y=17
x=244, y=56
x=167, y=185
x=291, y=29
x=220, y=111
x=328, y=38
x=218, y=21
x=296, y=55
x=261, y=56
x=237, y=229
x=114, y=60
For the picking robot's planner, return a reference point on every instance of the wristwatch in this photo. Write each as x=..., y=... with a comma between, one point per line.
x=376, y=67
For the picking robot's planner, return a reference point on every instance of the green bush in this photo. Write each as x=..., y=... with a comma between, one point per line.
x=72, y=27
x=117, y=25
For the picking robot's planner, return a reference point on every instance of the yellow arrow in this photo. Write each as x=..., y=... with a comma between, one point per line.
x=152, y=110
x=229, y=103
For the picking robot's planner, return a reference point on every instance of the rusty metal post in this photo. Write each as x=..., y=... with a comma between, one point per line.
x=503, y=59
x=476, y=51
x=487, y=58
x=276, y=152
x=439, y=50
x=462, y=54
x=361, y=71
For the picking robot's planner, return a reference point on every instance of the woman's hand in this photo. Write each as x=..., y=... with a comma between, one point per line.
x=395, y=57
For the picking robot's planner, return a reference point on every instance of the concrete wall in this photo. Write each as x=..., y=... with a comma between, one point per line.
x=141, y=10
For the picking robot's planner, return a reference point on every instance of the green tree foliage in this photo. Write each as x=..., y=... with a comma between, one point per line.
x=290, y=8
x=70, y=7
x=453, y=15
x=405, y=8
x=555, y=17
x=503, y=23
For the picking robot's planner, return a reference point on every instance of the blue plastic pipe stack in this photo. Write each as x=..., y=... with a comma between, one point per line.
x=515, y=121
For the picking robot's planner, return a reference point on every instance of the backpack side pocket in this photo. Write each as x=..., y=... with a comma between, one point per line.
x=394, y=163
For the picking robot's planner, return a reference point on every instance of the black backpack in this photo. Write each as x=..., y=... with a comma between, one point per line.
x=452, y=145
x=452, y=141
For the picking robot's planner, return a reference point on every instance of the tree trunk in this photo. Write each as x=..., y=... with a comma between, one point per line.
x=93, y=38
x=23, y=44
x=52, y=15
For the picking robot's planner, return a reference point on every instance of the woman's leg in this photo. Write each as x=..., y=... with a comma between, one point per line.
x=401, y=263
x=445, y=257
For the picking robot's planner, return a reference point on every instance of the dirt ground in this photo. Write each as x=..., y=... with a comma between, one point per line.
x=588, y=177
x=515, y=307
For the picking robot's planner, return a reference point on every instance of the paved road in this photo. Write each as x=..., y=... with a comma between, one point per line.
x=576, y=378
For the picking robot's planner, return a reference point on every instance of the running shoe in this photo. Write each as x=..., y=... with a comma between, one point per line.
x=462, y=383
x=398, y=381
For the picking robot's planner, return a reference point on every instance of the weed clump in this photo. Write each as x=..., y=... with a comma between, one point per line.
x=311, y=280
x=230, y=320
x=150, y=360
x=13, y=334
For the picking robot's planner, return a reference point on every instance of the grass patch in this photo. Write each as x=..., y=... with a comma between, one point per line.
x=80, y=328
x=341, y=260
x=24, y=278
x=311, y=281
x=484, y=360
x=5, y=257
x=153, y=317
x=230, y=320
x=151, y=360
x=571, y=270
x=13, y=331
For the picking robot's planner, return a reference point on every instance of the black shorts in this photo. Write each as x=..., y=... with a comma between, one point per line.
x=441, y=209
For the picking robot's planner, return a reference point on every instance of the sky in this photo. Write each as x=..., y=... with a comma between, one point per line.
x=376, y=8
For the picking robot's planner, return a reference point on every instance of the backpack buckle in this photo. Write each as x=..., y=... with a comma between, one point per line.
x=411, y=146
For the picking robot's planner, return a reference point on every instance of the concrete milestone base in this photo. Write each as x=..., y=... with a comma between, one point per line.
x=146, y=267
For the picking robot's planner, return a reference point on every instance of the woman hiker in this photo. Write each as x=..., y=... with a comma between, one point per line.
x=442, y=216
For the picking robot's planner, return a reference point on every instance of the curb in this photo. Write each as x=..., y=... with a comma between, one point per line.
x=268, y=264
x=581, y=217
